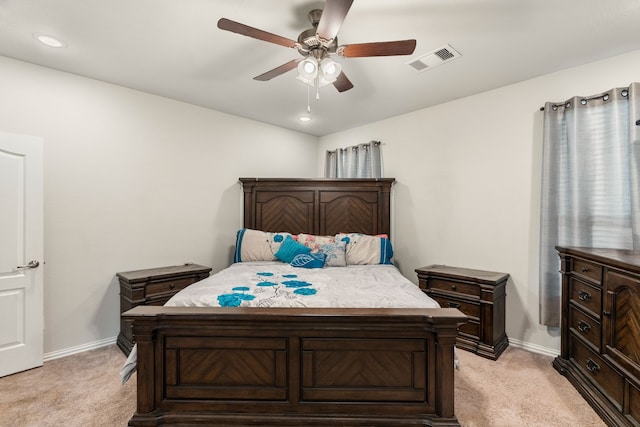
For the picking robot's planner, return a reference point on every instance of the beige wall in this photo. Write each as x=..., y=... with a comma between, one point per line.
x=132, y=181
x=468, y=185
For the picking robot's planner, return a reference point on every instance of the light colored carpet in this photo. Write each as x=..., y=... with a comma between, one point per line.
x=74, y=391
x=519, y=389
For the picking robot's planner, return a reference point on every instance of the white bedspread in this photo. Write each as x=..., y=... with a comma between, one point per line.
x=277, y=284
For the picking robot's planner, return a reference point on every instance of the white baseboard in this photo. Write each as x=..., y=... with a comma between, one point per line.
x=534, y=348
x=78, y=349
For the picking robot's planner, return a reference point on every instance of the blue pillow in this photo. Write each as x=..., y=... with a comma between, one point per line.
x=290, y=248
x=310, y=260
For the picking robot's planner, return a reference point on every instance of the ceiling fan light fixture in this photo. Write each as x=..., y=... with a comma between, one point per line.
x=330, y=69
x=308, y=69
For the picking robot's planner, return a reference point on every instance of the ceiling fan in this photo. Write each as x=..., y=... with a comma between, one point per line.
x=318, y=43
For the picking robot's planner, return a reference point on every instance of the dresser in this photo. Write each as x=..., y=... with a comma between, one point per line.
x=152, y=287
x=600, y=350
x=478, y=294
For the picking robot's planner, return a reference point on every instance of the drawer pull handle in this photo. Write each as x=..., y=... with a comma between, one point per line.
x=453, y=305
x=454, y=287
x=592, y=366
x=606, y=313
x=583, y=326
x=584, y=295
x=584, y=269
x=171, y=286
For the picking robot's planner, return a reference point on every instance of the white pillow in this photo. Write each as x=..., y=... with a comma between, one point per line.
x=363, y=249
x=256, y=245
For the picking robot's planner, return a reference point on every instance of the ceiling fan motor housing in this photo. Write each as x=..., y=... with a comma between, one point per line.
x=310, y=40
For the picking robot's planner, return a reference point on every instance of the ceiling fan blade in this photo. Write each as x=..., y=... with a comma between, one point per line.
x=245, y=30
x=342, y=83
x=400, y=47
x=333, y=15
x=278, y=70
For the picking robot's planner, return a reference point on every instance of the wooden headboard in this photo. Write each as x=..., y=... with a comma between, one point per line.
x=318, y=206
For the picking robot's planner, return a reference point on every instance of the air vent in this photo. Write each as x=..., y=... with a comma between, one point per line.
x=434, y=58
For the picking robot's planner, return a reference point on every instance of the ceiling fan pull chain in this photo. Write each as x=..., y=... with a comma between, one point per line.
x=318, y=87
x=308, y=103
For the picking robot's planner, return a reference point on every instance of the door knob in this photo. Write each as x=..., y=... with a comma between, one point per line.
x=32, y=264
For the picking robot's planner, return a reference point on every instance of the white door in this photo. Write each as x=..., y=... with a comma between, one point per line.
x=21, y=251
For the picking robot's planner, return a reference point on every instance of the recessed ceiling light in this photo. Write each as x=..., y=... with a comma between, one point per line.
x=49, y=40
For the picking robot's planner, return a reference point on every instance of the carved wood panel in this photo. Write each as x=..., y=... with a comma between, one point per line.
x=318, y=206
x=626, y=327
x=284, y=212
x=364, y=370
x=223, y=368
x=346, y=213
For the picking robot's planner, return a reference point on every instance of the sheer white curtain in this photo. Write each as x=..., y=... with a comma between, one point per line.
x=358, y=161
x=590, y=182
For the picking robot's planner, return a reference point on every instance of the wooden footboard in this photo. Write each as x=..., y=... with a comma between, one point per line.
x=293, y=367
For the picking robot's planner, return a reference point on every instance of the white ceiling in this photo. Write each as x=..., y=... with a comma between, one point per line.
x=173, y=48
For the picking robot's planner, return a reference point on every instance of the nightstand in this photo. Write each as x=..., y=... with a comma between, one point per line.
x=152, y=287
x=478, y=294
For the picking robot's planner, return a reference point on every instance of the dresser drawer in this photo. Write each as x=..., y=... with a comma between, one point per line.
x=607, y=379
x=469, y=308
x=469, y=289
x=587, y=269
x=585, y=326
x=168, y=286
x=586, y=296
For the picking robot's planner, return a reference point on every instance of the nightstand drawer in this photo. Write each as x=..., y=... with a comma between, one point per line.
x=471, y=328
x=159, y=300
x=471, y=309
x=168, y=286
x=458, y=287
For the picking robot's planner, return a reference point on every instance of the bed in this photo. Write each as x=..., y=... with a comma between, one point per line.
x=293, y=366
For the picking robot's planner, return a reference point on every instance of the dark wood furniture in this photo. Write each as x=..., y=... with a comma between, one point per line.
x=600, y=350
x=292, y=366
x=478, y=294
x=152, y=286
x=320, y=206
